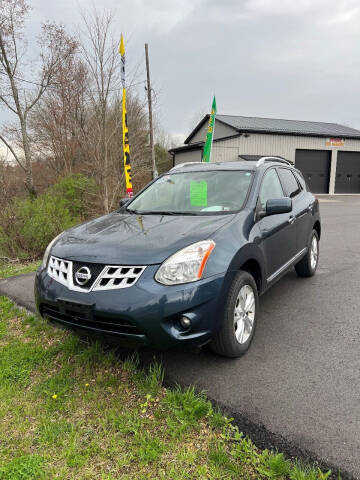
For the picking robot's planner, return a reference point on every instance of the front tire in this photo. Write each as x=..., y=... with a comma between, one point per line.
x=308, y=265
x=239, y=323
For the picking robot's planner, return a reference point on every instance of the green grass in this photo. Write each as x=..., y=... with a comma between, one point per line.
x=16, y=268
x=73, y=410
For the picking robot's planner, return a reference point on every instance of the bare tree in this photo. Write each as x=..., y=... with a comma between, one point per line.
x=55, y=46
x=60, y=120
x=101, y=56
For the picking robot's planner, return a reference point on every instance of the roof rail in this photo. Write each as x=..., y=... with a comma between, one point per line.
x=272, y=159
x=185, y=164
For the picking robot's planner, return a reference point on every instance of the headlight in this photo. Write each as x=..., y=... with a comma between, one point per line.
x=186, y=265
x=47, y=251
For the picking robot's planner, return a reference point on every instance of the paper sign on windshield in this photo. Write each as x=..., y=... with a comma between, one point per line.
x=198, y=193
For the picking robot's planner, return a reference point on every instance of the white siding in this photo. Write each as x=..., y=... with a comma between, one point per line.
x=191, y=156
x=268, y=144
x=221, y=130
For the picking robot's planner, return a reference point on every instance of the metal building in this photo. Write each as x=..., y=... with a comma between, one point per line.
x=328, y=154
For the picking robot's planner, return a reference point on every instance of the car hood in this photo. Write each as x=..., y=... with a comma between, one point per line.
x=130, y=239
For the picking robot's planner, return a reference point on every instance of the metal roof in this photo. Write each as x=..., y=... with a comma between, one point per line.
x=288, y=126
x=243, y=124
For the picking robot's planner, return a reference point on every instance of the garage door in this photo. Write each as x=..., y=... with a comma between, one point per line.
x=315, y=166
x=348, y=172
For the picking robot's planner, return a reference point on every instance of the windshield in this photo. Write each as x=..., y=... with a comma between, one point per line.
x=194, y=193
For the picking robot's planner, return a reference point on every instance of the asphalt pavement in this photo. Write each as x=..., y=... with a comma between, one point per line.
x=298, y=387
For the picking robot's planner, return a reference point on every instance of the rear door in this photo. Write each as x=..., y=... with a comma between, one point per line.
x=302, y=205
x=278, y=235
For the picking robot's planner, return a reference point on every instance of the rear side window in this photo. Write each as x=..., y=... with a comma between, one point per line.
x=289, y=182
x=270, y=188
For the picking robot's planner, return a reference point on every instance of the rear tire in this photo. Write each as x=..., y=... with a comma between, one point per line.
x=239, y=322
x=308, y=264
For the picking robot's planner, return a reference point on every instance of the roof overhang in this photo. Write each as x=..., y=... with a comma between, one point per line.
x=198, y=145
x=186, y=148
x=295, y=134
x=205, y=120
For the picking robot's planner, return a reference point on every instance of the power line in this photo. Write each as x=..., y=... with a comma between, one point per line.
x=50, y=86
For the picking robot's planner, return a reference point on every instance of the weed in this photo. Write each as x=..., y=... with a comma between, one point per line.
x=149, y=448
x=18, y=360
x=60, y=384
x=131, y=363
x=3, y=328
x=273, y=465
x=154, y=378
x=187, y=406
x=217, y=420
x=50, y=432
x=127, y=422
x=307, y=472
x=26, y=467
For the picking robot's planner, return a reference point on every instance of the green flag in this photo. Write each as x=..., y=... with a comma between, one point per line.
x=210, y=133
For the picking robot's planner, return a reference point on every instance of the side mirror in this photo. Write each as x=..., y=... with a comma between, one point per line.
x=278, y=205
x=123, y=202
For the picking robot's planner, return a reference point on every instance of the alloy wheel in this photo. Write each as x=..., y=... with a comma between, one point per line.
x=314, y=252
x=244, y=314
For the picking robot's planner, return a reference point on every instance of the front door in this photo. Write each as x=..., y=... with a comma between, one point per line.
x=302, y=202
x=278, y=232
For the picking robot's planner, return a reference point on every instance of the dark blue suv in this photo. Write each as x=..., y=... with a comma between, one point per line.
x=184, y=262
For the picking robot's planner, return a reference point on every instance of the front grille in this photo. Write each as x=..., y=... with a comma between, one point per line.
x=102, y=277
x=99, y=323
x=59, y=270
x=118, y=277
x=95, y=270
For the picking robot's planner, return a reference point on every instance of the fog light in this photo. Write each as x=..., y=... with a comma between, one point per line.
x=185, y=322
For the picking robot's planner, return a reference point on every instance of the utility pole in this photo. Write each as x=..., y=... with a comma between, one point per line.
x=154, y=172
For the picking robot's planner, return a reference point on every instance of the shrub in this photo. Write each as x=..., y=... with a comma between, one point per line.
x=28, y=225
x=77, y=192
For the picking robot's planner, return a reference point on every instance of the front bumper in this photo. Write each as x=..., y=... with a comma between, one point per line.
x=145, y=314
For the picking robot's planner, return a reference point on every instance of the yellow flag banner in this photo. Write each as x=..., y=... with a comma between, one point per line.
x=126, y=147
x=125, y=129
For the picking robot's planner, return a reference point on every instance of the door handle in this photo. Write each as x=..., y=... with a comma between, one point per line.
x=291, y=219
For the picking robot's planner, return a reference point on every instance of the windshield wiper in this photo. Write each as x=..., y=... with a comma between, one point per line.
x=154, y=212
x=136, y=212
x=165, y=212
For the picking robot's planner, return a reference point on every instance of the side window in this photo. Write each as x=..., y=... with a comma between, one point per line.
x=270, y=188
x=290, y=184
x=301, y=179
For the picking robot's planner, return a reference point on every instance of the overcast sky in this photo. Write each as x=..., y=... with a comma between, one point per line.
x=296, y=59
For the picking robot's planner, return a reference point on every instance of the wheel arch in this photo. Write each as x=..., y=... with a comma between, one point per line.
x=251, y=260
x=252, y=266
x=317, y=227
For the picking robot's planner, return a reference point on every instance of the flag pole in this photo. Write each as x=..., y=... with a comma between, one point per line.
x=151, y=129
x=125, y=129
x=209, y=134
